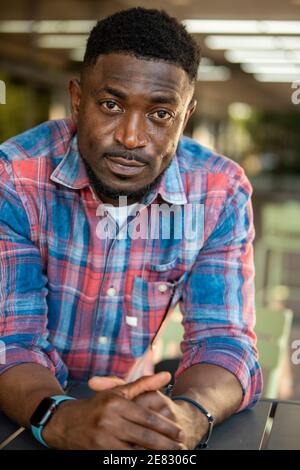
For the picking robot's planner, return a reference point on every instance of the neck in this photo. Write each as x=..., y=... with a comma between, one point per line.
x=116, y=202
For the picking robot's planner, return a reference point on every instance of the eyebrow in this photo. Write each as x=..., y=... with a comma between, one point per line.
x=153, y=99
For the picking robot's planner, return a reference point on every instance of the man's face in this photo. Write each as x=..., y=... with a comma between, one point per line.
x=130, y=114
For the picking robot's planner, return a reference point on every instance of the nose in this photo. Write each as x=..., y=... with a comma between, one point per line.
x=131, y=131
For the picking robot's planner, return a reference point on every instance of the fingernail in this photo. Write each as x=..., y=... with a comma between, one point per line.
x=181, y=436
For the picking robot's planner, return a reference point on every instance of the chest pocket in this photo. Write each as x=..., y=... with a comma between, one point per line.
x=146, y=309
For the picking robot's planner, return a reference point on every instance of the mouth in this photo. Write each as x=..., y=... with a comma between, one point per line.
x=122, y=167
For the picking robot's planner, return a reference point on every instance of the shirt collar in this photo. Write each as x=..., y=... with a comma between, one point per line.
x=71, y=172
x=171, y=186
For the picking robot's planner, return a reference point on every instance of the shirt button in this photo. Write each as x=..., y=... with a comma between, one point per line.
x=162, y=288
x=111, y=292
x=131, y=321
x=103, y=340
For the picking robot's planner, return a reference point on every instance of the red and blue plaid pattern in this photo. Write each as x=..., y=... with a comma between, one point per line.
x=82, y=305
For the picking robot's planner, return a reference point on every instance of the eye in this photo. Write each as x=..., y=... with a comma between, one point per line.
x=162, y=115
x=110, y=105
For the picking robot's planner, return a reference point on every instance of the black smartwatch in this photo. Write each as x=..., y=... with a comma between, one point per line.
x=43, y=413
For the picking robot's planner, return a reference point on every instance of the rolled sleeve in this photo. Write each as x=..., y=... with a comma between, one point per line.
x=16, y=354
x=218, y=299
x=23, y=291
x=231, y=354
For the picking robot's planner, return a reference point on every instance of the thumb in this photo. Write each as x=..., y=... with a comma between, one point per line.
x=104, y=383
x=148, y=383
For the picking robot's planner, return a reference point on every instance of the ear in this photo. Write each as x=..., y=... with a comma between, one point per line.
x=190, y=110
x=75, y=96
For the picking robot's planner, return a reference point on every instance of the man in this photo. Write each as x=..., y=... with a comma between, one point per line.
x=77, y=303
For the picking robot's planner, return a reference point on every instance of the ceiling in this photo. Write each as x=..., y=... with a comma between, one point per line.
x=87, y=9
x=21, y=55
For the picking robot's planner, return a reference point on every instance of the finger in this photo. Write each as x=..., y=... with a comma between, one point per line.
x=145, y=384
x=147, y=438
x=166, y=412
x=103, y=383
x=152, y=420
x=155, y=401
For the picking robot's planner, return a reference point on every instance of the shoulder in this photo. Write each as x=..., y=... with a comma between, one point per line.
x=51, y=138
x=209, y=168
x=192, y=156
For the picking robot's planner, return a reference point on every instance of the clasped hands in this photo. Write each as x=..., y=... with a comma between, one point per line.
x=125, y=416
x=168, y=425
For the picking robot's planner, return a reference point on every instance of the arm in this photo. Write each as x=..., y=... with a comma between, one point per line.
x=30, y=368
x=23, y=286
x=23, y=387
x=216, y=389
x=219, y=366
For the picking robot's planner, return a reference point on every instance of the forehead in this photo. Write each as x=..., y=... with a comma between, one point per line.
x=137, y=75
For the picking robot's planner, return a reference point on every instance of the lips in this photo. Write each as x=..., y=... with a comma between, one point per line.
x=121, y=166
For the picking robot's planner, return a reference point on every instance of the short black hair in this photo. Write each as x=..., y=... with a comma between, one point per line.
x=146, y=34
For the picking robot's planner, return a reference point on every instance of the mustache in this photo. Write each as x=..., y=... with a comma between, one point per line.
x=130, y=156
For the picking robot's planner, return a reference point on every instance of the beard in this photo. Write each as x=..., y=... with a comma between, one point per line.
x=104, y=190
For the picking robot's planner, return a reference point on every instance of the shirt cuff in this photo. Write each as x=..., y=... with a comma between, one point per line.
x=233, y=355
x=13, y=355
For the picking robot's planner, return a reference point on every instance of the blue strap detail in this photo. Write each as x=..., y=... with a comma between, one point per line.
x=37, y=431
x=203, y=443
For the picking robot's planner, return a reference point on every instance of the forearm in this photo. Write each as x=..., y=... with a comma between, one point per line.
x=214, y=387
x=23, y=387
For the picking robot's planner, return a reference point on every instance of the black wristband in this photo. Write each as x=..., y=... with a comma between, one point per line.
x=204, y=441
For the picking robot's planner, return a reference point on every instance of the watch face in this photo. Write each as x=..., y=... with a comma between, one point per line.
x=43, y=412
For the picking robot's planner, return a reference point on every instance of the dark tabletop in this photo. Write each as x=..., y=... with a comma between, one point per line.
x=285, y=432
x=243, y=431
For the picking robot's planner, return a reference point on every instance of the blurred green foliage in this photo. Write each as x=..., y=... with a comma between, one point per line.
x=277, y=134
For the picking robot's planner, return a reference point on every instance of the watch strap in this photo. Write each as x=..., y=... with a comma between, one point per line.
x=37, y=430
